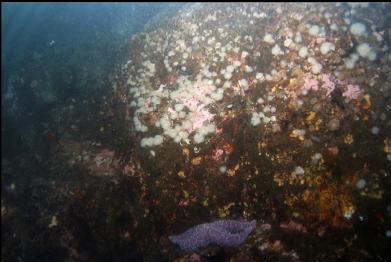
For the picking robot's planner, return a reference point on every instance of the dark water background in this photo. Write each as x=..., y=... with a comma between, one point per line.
x=29, y=28
x=73, y=47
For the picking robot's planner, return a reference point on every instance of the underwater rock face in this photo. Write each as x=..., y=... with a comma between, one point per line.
x=221, y=232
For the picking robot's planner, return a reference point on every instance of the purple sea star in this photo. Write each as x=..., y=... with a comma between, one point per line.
x=221, y=232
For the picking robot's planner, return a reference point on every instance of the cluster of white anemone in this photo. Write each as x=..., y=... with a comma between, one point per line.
x=185, y=115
